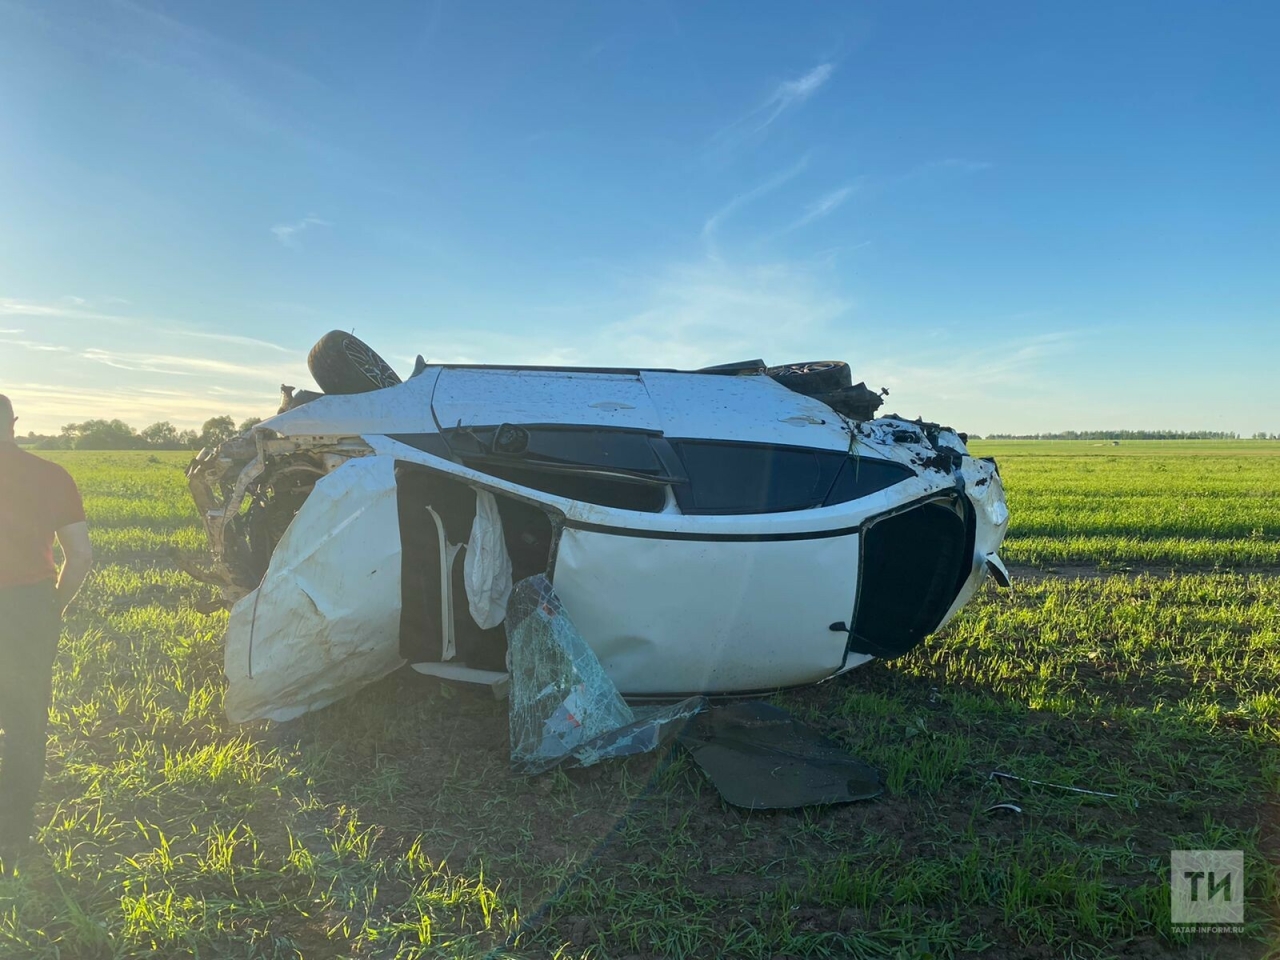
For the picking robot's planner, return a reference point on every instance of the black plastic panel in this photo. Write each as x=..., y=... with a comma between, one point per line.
x=421, y=632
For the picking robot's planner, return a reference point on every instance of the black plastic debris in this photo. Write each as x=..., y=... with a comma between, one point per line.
x=760, y=757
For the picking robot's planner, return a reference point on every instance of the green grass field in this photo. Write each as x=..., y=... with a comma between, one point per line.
x=1139, y=654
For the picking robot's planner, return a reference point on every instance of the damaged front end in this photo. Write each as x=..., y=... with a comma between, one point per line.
x=248, y=491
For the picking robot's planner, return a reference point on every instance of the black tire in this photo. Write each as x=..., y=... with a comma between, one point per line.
x=813, y=377
x=342, y=363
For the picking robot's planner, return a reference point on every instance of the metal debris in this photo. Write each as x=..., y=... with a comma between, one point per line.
x=996, y=774
x=1011, y=807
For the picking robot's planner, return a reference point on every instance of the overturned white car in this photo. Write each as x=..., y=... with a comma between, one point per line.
x=725, y=531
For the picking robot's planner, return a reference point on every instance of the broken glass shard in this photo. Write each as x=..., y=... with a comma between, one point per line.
x=563, y=704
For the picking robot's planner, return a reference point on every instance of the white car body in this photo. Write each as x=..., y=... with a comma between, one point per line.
x=738, y=547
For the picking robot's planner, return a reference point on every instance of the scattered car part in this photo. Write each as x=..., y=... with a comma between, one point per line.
x=342, y=363
x=813, y=378
x=291, y=397
x=997, y=775
x=760, y=757
x=858, y=402
x=498, y=681
x=563, y=705
x=999, y=572
x=740, y=368
x=1005, y=807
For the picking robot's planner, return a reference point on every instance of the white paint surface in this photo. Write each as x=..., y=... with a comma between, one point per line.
x=750, y=409
x=488, y=397
x=688, y=616
x=402, y=409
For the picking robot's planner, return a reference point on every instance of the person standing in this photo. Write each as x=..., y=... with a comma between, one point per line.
x=39, y=503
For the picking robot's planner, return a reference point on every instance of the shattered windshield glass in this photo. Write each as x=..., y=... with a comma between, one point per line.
x=562, y=703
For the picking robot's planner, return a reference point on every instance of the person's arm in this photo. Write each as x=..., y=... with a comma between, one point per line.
x=78, y=554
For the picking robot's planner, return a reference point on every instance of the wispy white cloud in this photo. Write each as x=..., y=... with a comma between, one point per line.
x=685, y=315
x=288, y=233
x=967, y=377
x=75, y=312
x=824, y=205
x=73, y=356
x=791, y=92
x=36, y=345
x=12, y=307
x=713, y=222
x=785, y=96
x=234, y=339
x=179, y=365
x=714, y=312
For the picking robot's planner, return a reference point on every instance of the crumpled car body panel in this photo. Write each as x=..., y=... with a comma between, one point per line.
x=325, y=620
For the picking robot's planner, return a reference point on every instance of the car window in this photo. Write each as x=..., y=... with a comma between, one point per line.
x=861, y=476
x=753, y=478
x=628, y=451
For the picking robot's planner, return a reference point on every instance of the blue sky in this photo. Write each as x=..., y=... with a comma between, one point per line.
x=1016, y=216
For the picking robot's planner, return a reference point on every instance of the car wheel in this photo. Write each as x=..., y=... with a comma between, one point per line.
x=814, y=377
x=342, y=363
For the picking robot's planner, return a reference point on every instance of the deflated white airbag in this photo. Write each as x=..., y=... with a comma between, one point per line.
x=486, y=568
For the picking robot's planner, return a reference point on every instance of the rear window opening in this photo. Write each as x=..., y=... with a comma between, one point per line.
x=914, y=564
x=529, y=537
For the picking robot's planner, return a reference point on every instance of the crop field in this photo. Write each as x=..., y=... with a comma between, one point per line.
x=1137, y=655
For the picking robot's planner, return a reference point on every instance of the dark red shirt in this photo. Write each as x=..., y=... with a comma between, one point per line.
x=37, y=498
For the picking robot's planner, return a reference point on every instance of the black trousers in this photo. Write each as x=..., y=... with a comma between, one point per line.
x=29, y=628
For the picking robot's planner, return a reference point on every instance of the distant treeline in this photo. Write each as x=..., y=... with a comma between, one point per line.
x=118, y=435
x=1130, y=435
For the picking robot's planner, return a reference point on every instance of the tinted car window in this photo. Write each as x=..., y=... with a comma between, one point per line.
x=863, y=475
x=625, y=450
x=586, y=487
x=751, y=478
